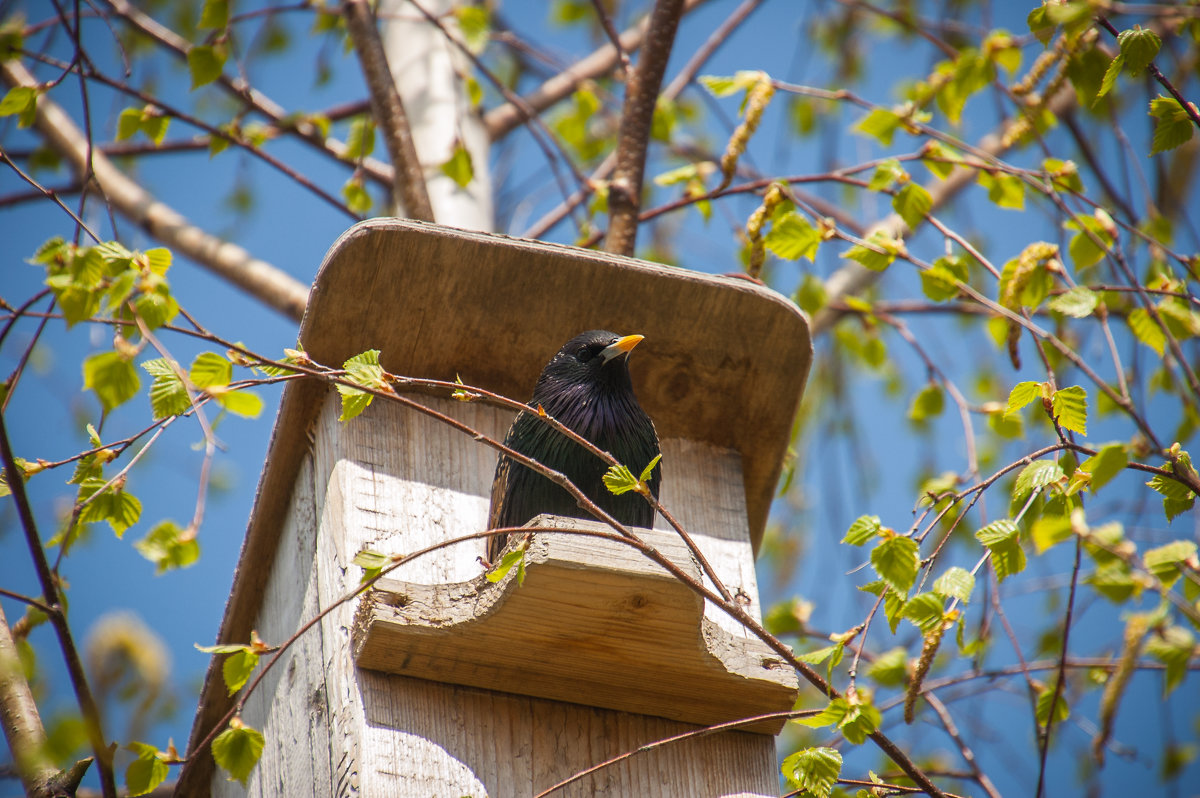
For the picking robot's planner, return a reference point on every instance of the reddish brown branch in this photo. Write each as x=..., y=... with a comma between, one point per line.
x=633, y=140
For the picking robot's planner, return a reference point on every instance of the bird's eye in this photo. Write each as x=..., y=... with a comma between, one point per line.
x=584, y=354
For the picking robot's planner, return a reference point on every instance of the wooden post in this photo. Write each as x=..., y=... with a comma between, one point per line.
x=438, y=682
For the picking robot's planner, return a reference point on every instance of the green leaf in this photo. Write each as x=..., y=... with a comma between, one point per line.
x=912, y=202
x=12, y=37
x=942, y=280
x=685, y=174
x=997, y=533
x=214, y=15
x=1045, y=699
x=1022, y=394
x=1005, y=190
x=1174, y=647
x=831, y=714
x=1078, y=303
x=895, y=560
x=111, y=377
x=880, y=124
x=890, y=669
x=372, y=563
x=168, y=548
x=168, y=397
x=237, y=667
x=1114, y=582
x=459, y=168
x=1008, y=557
x=877, y=252
x=862, y=718
x=156, y=308
x=832, y=653
x=619, y=479
x=955, y=583
x=1092, y=242
x=928, y=403
x=1026, y=280
x=792, y=237
x=129, y=122
x=360, y=141
x=811, y=295
x=1070, y=408
x=363, y=369
x=1172, y=126
x=648, y=471
x=244, y=403
x=1110, y=77
x=205, y=63
x=1050, y=530
x=21, y=101
x=476, y=26
x=237, y=749
x=728, y=86
x=357, y=198
x=1063, y=175
x=1138, y=46
x=1105, y=465
x=925, y=610
x=120, y=509
x=886, y=174
x=146, y=772
x=209, y=369
x=515, y=557
x=864, y=529
x=155, y=126
x=813, y=769
x=1164, y=561
x=1036, y=476
x=1147, y=330
x=940, y=159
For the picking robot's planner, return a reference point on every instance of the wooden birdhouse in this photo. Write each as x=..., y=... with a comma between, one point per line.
x=438, y=682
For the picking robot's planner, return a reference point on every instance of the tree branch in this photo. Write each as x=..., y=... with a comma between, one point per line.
x=641, y=94
x=408, y=182
x=83, y=692
x=21, y=720
x=260, y=279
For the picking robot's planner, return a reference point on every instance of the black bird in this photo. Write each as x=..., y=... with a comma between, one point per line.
x=587, y=387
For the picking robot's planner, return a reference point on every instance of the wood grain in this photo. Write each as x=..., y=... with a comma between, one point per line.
x=594, y=621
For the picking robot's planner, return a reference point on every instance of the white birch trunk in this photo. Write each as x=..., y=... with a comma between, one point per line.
x=428, y=72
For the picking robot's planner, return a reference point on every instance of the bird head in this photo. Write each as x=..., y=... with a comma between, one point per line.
x=595, y=357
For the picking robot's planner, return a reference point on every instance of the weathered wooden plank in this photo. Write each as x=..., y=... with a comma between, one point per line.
x=289, y=706
x=429, y=739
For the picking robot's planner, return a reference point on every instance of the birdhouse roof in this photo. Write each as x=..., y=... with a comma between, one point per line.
x=724, y=361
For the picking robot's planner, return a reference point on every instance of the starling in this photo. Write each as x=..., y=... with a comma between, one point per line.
x=587, y=387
